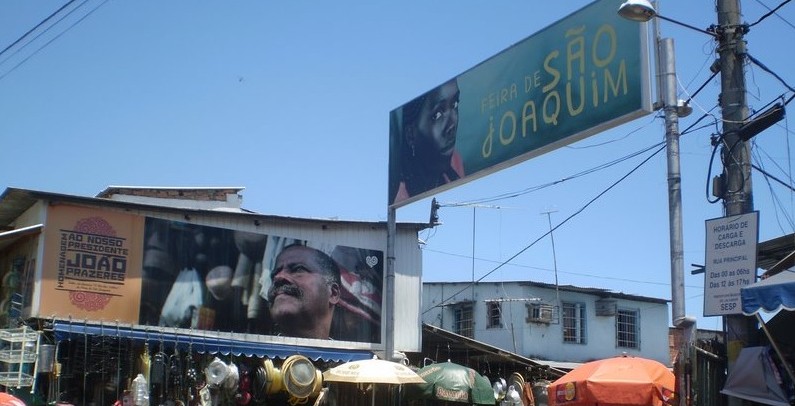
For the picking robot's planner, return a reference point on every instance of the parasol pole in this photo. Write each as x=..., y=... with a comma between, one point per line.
x=775, y=348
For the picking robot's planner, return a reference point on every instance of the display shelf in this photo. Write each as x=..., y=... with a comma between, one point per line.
x=17, y=356
x=19, y=352
x=15, y=379
x=18, y=335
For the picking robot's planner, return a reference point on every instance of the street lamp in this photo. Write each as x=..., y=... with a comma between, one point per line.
x=642, y=11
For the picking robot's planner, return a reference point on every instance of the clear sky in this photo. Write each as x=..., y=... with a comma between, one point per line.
x=290, y=99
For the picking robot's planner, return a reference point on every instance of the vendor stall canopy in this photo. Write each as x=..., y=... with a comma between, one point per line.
x=217, y=344
x=755, y=378
x=770, y=295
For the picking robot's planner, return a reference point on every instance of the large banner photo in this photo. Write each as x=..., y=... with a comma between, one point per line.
x=581, y=75
x=106, y=266
x=217, y=279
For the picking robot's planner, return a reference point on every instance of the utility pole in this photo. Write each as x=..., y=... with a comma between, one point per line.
x=735, y=152
x=554, y=261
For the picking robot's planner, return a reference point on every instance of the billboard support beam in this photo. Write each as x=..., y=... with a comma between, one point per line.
x=389, y=302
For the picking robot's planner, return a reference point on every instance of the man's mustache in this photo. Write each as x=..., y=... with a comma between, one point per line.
x=286, y=288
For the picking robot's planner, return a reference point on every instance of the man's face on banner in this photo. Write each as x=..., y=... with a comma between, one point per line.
x=303, y=291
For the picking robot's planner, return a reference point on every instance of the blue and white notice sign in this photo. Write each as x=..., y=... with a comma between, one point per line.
x=730, y=262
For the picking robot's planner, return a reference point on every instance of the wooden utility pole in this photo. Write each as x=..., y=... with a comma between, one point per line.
x=736, y=152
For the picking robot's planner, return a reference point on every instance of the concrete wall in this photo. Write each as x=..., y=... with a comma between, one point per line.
x=542, y=340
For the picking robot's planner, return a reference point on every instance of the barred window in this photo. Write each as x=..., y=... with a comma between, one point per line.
x=462, y=321
x=627, y=328
x=574, y=323
x=494, y=313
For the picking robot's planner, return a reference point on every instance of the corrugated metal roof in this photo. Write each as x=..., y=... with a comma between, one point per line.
x=14, y=202
x=111, y=190
x=473, y=353
x=599, y=292
x=9, y=237
x=776, y=254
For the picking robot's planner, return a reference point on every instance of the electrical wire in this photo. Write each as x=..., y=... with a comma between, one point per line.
x=756, y=148
x=510, y=195
x=777, y=15
x=46, y=30
x=566, y=220
x=690, y=96
x=729, y=153
x=774, y=74
x=768, y=14
x=46, y=44
x=715, y=144
x=708, y=61
x=693, y=128
x=770, y=176
x=610, y=141
x=36, y=27
x=774, y=196
x=587, y=275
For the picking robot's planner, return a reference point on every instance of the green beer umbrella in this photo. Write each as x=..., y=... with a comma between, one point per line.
x=451, y=382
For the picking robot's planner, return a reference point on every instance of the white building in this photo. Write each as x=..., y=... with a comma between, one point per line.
x=132, y=248
x=563, y=324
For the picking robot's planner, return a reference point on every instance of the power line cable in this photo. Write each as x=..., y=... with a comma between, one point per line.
x=610, y=141
x=777, y=15
x=693, y=127
x=510, y=195
x=646, y=282
x=56, y=37
x=775, y=163
x=566, y=220
x=775, y=75
x=690, y=96
x=36, y=27
x=46, y=30
x=768, y=14
x=779, y=207
x=708, y=61
x=769, y=175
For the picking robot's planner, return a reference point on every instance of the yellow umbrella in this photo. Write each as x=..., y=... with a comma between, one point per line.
x=372, y=371
x=375, y=371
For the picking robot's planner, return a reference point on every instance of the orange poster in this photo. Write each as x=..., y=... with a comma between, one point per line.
x=92, y=265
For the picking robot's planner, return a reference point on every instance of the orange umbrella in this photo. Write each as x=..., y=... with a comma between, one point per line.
x=9, y=400
x=615, y=381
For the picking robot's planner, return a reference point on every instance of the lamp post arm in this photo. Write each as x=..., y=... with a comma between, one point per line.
x=703, y=31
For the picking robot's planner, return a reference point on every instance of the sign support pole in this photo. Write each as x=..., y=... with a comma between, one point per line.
x=389, y=308
x=666, y=69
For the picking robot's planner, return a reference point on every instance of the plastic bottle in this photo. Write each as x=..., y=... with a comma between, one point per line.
x=140, y=390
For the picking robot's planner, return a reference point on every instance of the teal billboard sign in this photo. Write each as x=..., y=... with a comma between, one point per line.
x=581, y=75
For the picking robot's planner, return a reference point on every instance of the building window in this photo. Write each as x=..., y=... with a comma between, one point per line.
x=627, y=328
x=462, y=320
x=494, y=310
x=539, y=313
x=574, y=323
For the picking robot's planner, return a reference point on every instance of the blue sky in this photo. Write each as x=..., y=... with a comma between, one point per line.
x=290, y=99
